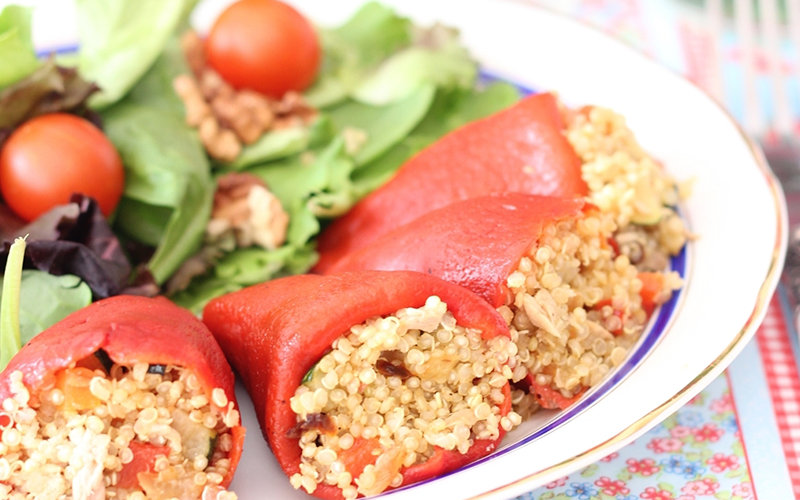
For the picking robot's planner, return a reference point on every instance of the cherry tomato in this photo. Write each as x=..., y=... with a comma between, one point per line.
x=264, y=45
x=51, y=157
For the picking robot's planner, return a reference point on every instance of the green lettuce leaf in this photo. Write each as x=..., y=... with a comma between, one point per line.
x=16, y=45
x=453, y=109
x=279, y=144
x=46, y=299
x=413, y=68
x=374, y=32
x=168, y=190
x=121, y=39
x=351, y=50
x=306, y=189
x=384, y=126
x=450, y=110
x=245, y=267
x=379, y=58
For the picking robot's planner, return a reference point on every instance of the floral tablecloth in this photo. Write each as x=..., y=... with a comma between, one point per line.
x=697, y=452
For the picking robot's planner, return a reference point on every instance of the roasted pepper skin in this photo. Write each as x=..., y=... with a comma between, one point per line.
x=475, y=243
x=275, y=332
x=521, y=149
x=131, y=330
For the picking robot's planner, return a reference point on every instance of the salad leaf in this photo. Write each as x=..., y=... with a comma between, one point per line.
x=121, y=39
x=458, y=107
x=327, y=90
x=378, y=58
x=295, y=179
x=201, y=291
x=46, y=299
x=75, y=239
x=349, y=51
x=450, y=110
x=16, y=45
x=374, y=32
x=245, y=267
x=384, y=126
x=159, y=152
x=10, y=341
x=49, y=89
x=308, y=189
x=279, y=144
x=169, y=190
x=413, y=68
x=183, y=234
x=142, y=222
x=167, y=169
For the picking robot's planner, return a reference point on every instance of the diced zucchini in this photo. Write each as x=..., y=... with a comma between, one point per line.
x=196, y=439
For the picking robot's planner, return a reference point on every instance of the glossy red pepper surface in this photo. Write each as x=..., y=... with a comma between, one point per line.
x=476, y=243
x=131, y=330
x=275, y=332
x=521, y=149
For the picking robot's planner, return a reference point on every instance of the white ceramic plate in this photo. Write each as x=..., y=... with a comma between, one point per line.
x=737, y=208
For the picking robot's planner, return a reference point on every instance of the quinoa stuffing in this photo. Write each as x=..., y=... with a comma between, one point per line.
x=396, y=387
x=132, y=432
x=576, y=306
x=574, y=312
x=627, y=183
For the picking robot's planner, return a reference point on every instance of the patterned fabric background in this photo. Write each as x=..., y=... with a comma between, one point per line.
x=695, y=454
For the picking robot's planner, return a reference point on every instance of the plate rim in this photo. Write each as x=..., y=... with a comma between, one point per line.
x=730, y=351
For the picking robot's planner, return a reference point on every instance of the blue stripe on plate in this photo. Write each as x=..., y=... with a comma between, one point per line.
x=65, y=49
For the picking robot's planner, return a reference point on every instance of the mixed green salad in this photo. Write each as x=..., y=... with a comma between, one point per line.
x=384, y=89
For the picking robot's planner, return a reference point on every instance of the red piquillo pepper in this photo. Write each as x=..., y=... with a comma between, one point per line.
x=275, y=332
x=129, y=330
x=521, y=149
x=476, y=244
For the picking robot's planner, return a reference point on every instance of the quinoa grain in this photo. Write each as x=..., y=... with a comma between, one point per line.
x=449, y=399
x=76, y=444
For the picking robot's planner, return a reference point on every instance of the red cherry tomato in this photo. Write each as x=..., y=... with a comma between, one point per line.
x=264, y=45
x=51, y=157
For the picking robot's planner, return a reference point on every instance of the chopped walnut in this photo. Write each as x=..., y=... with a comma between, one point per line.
x=220, y=143
x=226, y=117
x=196, y=107
x=244, y=205
x=192, y=47
x=247, y=113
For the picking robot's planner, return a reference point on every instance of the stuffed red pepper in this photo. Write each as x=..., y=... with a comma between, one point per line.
x=367, y=381
x=128, y=398
x=521, y=149
x=551, y=267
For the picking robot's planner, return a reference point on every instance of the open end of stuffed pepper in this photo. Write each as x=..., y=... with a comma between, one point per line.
x=581, y=298
x=98, y=429
x=396, y=391
x=574, y=309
